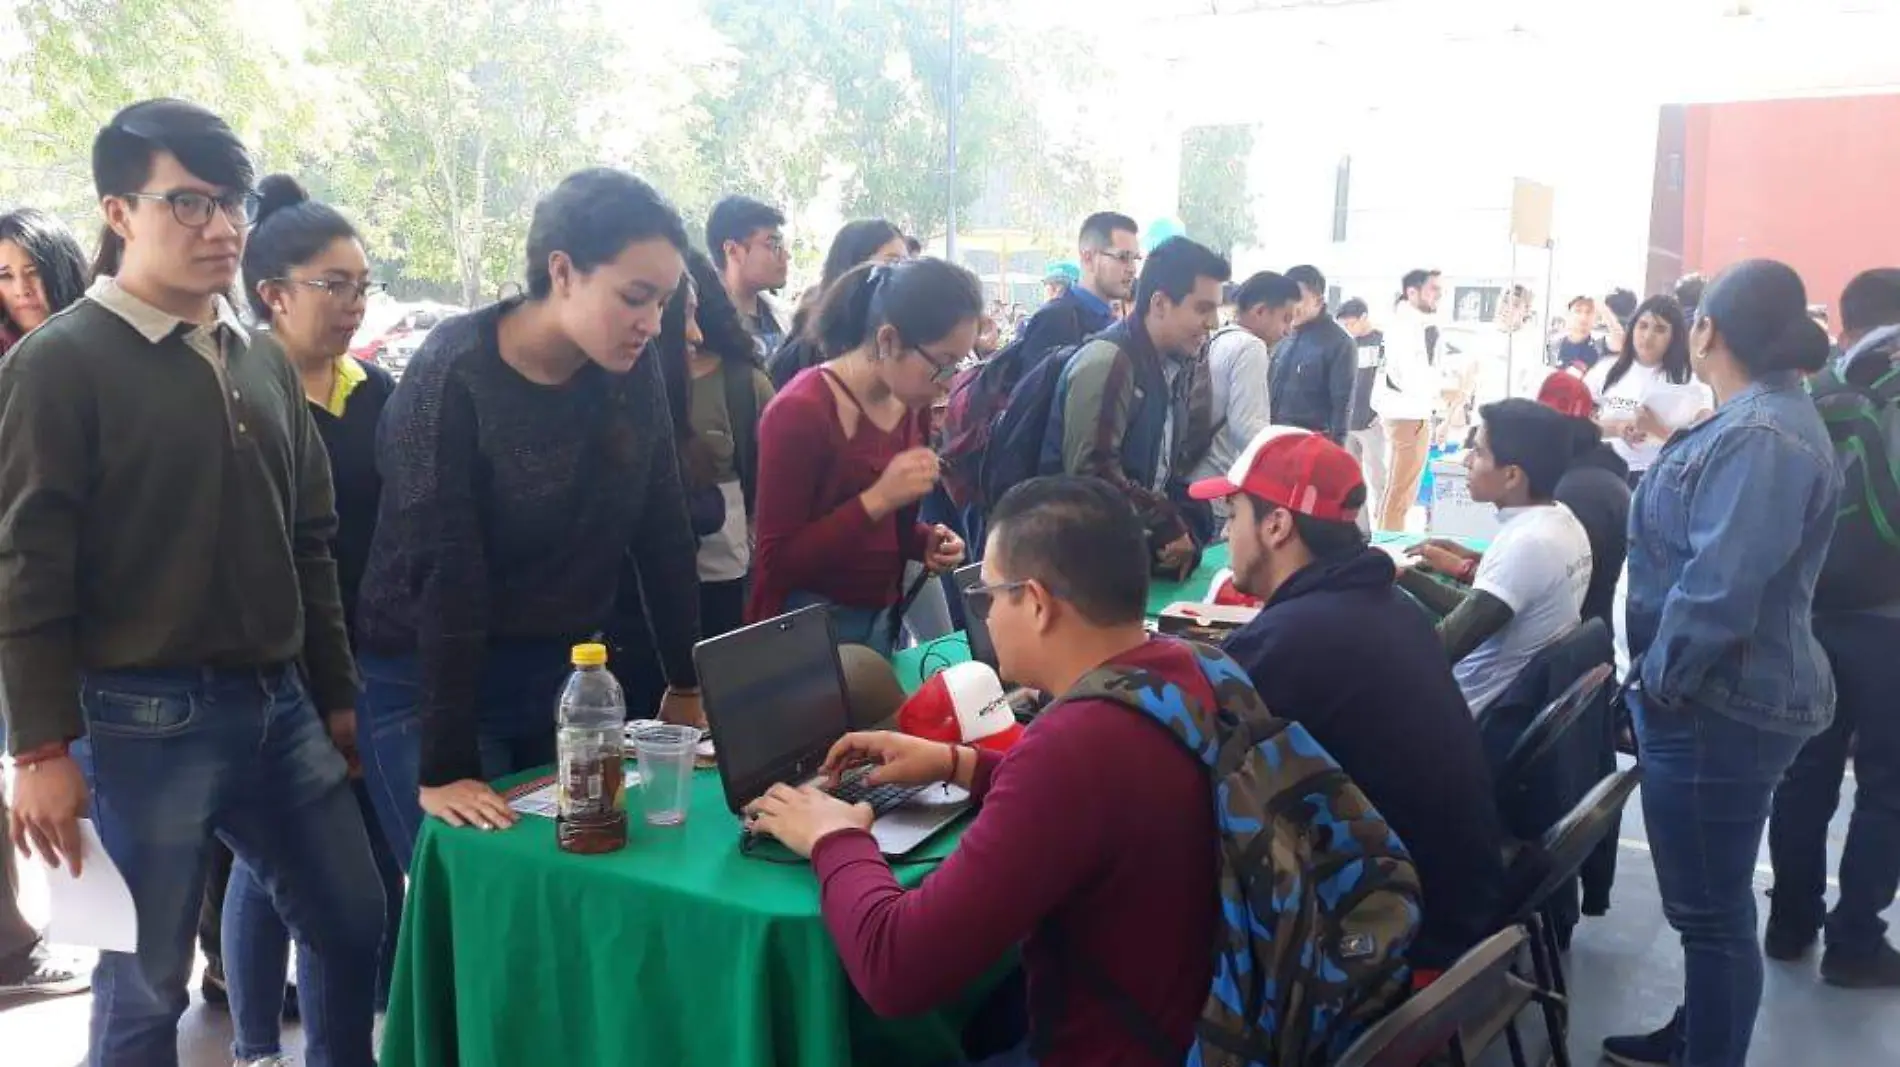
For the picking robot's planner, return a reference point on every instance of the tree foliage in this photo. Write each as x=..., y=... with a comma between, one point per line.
x=1216, y=205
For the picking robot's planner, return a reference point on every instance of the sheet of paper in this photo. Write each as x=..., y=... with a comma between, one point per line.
x=535, y=798
x=95, y=909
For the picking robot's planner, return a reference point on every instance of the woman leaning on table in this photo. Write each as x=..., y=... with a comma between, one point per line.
x=530, y=484
x=1728, y=531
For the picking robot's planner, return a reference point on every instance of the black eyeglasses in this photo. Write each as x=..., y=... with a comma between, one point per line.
x=194, y=209
x=1126, y=257
x=939, y=372
x=338, y=289
x=979, y=599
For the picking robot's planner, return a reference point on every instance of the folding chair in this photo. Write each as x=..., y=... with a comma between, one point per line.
x=1545, y=732
x=1459, y=1015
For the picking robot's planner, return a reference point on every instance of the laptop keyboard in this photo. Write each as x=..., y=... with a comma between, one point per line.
x=882, y=798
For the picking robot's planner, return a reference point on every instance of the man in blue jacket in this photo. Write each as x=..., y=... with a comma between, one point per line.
x=1311, y=379
x=1110, y=256
x=1339, y=649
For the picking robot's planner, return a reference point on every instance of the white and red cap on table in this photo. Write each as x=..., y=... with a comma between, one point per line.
x=961, y=705
x=1299, y=470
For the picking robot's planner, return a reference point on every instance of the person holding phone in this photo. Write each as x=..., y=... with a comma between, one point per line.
x=842, y=459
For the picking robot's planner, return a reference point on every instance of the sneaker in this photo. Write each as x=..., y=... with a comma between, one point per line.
x=43, y=975
x=265, y=1061
x=1879, y=969
x=1658, y=1049
x=1787, y=942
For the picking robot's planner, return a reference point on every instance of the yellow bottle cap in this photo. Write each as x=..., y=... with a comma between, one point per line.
x=590, y=655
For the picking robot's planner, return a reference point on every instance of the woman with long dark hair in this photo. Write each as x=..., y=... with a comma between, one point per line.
x=309, y=279
x=530, y=485
x=1728, y=533
x=842, y=455
x=716, y=390
x=1648, y=391
x=862, y=241
x=42, y=271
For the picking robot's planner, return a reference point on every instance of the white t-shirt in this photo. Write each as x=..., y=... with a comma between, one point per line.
x=1539, y=566
x=1675, y=405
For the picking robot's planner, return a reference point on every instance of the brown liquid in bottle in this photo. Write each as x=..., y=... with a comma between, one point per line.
x=591, y=820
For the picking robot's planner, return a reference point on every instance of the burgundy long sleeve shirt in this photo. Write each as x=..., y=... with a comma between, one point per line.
x=1096, y=822
x=814, y=535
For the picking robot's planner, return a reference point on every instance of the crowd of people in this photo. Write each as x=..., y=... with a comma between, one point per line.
x=264, y=609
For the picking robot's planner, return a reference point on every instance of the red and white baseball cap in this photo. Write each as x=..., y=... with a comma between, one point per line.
x=1299, y=470
x=962, y=705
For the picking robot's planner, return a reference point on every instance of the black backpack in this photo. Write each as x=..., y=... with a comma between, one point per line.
x=1862, y=411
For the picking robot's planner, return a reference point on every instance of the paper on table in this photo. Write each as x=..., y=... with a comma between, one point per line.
x=94, y=909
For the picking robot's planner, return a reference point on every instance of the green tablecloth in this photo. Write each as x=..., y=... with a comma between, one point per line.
x=676, y=950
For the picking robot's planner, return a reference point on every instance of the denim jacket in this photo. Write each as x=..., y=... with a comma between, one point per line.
x=1728, y=531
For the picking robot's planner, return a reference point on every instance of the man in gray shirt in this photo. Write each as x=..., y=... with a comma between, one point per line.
x=1238, y=359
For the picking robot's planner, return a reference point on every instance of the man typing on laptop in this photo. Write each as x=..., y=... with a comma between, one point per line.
x=1094, y=845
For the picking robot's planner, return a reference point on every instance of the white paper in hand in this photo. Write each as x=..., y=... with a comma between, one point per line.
x=94, y=909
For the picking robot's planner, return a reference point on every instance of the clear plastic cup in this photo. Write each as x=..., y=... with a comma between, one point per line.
x=666, y=756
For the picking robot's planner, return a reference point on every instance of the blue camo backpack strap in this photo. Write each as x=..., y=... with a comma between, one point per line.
x=1318, y=898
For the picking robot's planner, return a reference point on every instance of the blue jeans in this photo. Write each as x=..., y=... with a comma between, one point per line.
x=1862, y=650
x=257, y=946
x=175, y=756
x=1707, y=784
x=513, y=722
x=853, y=626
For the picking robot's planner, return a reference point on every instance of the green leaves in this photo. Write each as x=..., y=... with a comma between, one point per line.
x=1216, y=207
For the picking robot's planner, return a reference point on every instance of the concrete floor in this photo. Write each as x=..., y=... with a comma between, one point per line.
x=1625, y=971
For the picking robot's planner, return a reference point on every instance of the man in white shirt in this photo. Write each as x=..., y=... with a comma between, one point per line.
x=1237, y=362
x=1527, y=589
x=1408, y=394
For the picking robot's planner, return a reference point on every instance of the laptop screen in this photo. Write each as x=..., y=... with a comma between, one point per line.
x=982, y=649
x=774, y=696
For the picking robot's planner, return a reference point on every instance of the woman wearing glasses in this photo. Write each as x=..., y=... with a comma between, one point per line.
x=842, y=460
x=308, y=281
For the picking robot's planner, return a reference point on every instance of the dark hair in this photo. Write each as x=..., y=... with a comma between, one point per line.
x=1538, y=440
x=1099, y=229
x=1324, y=538
x=1353, y=309
x=722, y=335
x=1584, y=300
x=912, y=245
x=593, y=215
x=1308, y=277
x=1689, y=290
x=1267, y=288
x=1675, y=364
x=123, y=150
x=1871, y=300
x=1415, y=279
x=1172, y=268
x=856, y=243
x=737, y=218
x=1760, y=310
x=1081, y=540
x=923, y=299
x=291, y=229
x=55, y=254
x=1622, y=304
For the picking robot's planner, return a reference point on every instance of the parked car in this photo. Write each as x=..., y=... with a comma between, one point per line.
x=393, y=342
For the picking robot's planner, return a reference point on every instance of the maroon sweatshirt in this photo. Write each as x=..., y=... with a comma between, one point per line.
x=1097, y=822
x=814, y=535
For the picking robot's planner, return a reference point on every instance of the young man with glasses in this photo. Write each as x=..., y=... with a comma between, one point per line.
x=1110, y=258
x=168, y=604
x=747, y=242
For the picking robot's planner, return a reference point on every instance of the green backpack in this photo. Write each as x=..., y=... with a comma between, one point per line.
x=1862, y=411
x=1318, y=899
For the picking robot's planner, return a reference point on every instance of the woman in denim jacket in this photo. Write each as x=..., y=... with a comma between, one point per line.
x=1727, y=534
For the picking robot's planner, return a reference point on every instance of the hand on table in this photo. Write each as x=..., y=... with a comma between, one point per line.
x=681, y=707
x=946, y=550
x=49, y=799
x=801, y=817
x=467, y=803
x=1438, y=558
x=894, y=758
x=1178, y=555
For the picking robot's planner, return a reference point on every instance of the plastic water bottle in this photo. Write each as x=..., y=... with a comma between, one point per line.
x=592, y=751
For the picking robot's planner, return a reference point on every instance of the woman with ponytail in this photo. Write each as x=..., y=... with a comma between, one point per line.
x=1728, y=532
x=842, y=455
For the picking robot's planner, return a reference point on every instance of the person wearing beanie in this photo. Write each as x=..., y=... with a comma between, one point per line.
x=1728, y=535
x=1338, y=648
x=1527, y=588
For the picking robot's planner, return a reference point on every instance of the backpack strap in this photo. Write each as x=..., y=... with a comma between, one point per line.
x=1050, y=996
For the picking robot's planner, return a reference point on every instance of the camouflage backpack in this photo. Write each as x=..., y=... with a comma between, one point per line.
x=1318, y=899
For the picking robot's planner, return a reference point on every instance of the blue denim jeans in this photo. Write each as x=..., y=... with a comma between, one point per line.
x=853, y=626
x=257, y=946
x=175, y=756
x=514, y=726
x=1707, y=784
